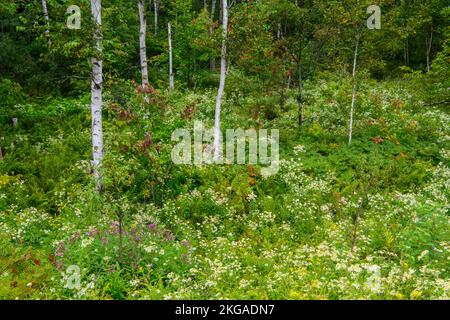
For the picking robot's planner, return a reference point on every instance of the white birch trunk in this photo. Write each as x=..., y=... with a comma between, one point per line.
x=223, y=69
x=354, y=89
x=155, y=7
x=45, y=13
x=142, y=43
x=171, y=82
x=96, y=94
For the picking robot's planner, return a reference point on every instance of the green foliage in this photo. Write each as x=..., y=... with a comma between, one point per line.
x=226, y=231
x=157, y=230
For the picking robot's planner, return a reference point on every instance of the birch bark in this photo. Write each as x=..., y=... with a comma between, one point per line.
x=155, y=8
x=45, y=13
x=142, y=42
x=223, y=69
x=353, y=89
x=96, y=94
x=171, y=82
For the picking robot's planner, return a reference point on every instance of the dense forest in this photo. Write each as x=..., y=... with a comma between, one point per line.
x=115, y=182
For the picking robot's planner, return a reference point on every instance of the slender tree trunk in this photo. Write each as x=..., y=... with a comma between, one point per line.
x=142, y=42
x=429, y=43
x=45, y=13
x=120, y=217
x=194, y=69
x=221, y=14
x=290, y=72
x=407, y=52
x=404, y=53
x=357, y=218
x=354, y=89
x=171, y=82
x=300, y=90
x=282, y=93
x=96, y=94
x=1, y=154
x=223, y=69
x=213, y=9
x=212, y=61
x=155, y=8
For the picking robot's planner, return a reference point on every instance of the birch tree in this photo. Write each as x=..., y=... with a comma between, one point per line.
x=299, y=17
x=45, y=13
x=169, y=36
x=96, y=93
x=352, y=20
x=355, y=60
x=155, y=9
x=373, y=22
x=223, y=69
x=142, y=42
x=428, y=42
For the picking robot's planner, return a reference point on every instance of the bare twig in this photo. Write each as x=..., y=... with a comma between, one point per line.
x=437, y=103
x=120, y=216
x=358, y=214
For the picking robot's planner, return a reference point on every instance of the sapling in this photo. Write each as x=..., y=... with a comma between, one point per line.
x=223, y=68
x=96, y=94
